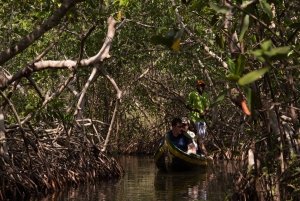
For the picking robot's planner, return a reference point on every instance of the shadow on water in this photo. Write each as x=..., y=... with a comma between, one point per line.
x=143, y=181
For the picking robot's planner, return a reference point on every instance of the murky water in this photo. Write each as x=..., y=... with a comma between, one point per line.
x=143, y=181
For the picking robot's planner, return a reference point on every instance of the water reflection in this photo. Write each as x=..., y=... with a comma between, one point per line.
x=143, y=181
x=181, y=185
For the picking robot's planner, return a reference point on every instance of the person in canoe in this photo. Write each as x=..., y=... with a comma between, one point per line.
x=189, y=129
x=180, y=140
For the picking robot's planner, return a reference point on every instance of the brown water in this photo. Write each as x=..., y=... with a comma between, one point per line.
x=143, y=181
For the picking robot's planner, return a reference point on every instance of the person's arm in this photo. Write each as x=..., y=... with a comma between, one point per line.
x=201, y=145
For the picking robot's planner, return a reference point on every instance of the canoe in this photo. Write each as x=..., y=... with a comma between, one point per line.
x=170, y=158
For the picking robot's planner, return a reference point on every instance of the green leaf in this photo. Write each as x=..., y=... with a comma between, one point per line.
x=259, y=55
x=123, y=2
x=267, y=45
x=219, y=9
x=266, y=8
x=252, y=76
x=231, y=66
x=198, y=5
x=265, y=170
x=244, y=28
x=254, y=40
x=29, y=107
x=233, y=78
x=279, y=51
x=257, y=52
x=178, y=34
x=171, y=33
x=219, y=98
x=240, y=64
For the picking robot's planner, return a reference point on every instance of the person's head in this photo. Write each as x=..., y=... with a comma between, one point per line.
x=185, y=124
x=177, y=126
x=200, y=85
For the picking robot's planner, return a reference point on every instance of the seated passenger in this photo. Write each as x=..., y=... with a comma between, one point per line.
x=188, y=128
x=180, y=140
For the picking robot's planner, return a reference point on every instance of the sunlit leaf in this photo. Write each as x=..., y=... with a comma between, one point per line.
x=252, y=76
x=267, y=45
x=244, y=28
x=29, y=107
x=176, y=45
x=124, y=2
x=219, y=9
x=279, y=53
x=257, y=52
x=280, y=50
x=254, y=40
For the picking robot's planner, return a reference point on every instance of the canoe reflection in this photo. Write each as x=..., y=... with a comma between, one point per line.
x=181, y=185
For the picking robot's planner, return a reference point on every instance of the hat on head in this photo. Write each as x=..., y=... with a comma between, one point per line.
x=185, y=120
x=200, y=82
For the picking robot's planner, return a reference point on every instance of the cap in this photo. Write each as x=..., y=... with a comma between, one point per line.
x=200, y=82
x=185, y=120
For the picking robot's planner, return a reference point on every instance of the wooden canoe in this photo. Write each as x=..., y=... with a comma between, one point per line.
x=170, y=158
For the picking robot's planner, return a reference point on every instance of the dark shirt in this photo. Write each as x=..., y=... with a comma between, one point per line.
x=181, y=141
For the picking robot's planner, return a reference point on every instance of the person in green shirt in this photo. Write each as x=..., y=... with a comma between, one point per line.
x=198, y=104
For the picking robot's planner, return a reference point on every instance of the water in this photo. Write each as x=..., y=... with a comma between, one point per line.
x=143, y=181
